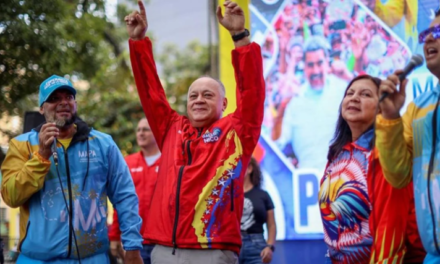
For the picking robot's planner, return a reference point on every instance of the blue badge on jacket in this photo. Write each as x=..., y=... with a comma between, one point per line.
x=212, y=137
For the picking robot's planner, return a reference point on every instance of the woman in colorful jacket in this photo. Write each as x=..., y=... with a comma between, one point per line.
x=365, y=219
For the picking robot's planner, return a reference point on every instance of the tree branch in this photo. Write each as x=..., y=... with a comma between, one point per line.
x=116, y=49
x=84, y=4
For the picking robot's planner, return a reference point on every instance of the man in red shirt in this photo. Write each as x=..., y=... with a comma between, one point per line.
x=144, y=166
x=197, y=204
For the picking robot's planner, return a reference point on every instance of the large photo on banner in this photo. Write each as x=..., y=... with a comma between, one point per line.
x=311, y=50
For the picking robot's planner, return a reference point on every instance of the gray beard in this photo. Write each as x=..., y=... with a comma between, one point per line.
x=61, y=123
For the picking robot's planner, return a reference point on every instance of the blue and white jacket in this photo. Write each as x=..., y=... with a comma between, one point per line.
x=66, y=202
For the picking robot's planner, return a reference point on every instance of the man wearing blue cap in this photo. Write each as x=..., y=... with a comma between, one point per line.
x=60, y=175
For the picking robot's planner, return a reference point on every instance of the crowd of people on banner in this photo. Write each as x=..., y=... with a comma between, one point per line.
x=193, y=193
x=314, y=49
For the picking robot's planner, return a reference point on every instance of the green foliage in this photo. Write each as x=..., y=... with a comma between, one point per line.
x=111, y=105
x=41, y=38
x=75, y=39
x=180, y=68
x=72, y=39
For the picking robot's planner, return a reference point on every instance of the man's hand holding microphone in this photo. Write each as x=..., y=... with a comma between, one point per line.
x=46, y=139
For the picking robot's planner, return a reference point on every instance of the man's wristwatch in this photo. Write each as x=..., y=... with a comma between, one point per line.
x=272, y=247
x=241, y=35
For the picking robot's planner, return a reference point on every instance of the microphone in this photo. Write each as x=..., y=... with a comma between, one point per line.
x=53, y=148
x=416, y=61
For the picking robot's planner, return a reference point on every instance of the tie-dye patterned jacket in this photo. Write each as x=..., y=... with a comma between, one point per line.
x=405, y=146
x=365, y=219
x=198, y=200
x=90, y=170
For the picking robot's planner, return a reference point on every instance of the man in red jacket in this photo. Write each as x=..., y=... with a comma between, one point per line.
x=144, y=166
x=197, y=204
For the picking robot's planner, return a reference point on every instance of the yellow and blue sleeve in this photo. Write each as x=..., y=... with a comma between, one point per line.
x=394, y=140
x=23, y=173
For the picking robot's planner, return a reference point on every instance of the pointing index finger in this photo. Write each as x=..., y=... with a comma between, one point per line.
x=141, y=8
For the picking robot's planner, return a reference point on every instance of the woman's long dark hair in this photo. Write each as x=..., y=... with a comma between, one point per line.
x=343, y=133
x=256, y=173
x=2, y=156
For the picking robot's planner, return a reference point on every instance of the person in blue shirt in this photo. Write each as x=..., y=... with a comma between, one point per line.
x=60, y=175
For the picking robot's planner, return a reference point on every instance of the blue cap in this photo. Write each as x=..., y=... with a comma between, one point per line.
x=52, y=84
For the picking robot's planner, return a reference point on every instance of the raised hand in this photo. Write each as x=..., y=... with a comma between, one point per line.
x=47, y=135
x=233, y=20
x=136, y=22
x=391, y=105
x=340, y=69
x=360, y=38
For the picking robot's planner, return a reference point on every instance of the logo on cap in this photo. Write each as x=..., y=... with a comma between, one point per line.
x=56, y=81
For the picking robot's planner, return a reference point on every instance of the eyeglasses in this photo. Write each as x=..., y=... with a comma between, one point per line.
x=56, y=98
x=435, y=30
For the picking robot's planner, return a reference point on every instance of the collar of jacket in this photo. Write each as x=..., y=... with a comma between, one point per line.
x=142, y=157
x=82, y=130
x=363, y=142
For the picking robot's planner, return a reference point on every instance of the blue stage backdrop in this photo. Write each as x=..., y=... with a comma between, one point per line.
x=358, y=36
